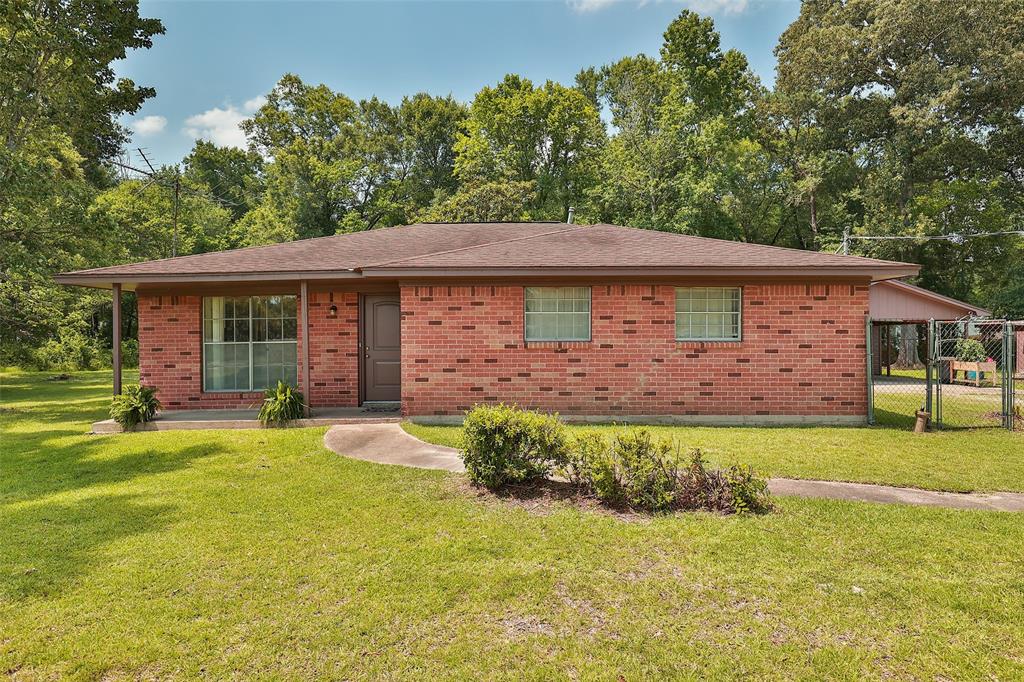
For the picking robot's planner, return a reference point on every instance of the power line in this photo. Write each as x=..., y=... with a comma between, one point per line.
x=952, y=237
x=175, y=184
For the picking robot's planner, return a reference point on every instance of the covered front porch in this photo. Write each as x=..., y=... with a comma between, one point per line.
x=211, y=348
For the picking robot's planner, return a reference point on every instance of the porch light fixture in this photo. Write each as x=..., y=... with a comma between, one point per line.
x=332, y=311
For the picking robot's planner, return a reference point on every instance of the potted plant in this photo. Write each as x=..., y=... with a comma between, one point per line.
x=971, y=359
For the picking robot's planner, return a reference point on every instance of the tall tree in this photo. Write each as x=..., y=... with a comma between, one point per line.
x=235, y=176
x=338, y=165
x=59, y=104
x=685, y=156
x=518, y=133
x=913, y=119
x=139, y=216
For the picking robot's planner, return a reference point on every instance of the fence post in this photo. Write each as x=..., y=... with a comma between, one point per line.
x=929, y=364
x=1009, y=360
x=870, y=367
x=937, y=361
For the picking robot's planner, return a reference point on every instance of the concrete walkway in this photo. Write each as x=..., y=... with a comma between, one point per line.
x=187, y=420
x=390, y=444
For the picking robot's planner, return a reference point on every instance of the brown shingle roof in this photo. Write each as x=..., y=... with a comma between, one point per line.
x=336, y=253
x=613, y=246
x=460, y=249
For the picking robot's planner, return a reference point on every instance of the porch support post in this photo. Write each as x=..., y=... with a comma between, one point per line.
x=116, y=359
x=304, y=321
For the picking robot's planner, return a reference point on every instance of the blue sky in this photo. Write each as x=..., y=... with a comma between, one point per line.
x=218, y=58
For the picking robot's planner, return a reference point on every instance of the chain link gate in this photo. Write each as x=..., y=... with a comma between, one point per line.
x=972, y=370
x=965, y=373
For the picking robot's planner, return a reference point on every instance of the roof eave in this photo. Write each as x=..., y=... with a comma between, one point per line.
x=940, y=298
x=868, y=272
x=130, y=281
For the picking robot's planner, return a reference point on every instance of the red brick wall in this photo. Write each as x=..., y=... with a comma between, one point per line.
x=170, y=353
x=802, y=353
x=333, y=349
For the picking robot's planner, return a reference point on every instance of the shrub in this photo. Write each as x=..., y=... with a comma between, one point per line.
x=503, y=444
x=69, y=352
x=643, y=473
x=281, y=405
x=749, y=492
x=970, y=350
x=130, y=353
x=135, y=405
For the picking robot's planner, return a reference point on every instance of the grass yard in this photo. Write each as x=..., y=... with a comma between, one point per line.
x=261, y=554
x=957, y=460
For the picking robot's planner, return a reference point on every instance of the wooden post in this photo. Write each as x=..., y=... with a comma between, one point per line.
x=304, y=322
x=117, y=338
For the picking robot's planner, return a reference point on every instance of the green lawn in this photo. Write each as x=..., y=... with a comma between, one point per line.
x=261, y=554
x=989, y=459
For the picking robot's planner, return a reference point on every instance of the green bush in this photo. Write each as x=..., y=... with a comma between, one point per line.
x=632, y=469
x=135, y=405
x=636, y=470
x=503, y=444
x=281, y=405
x=970, y=350
x=749, y=492
x=69, y=352
x=130, y=353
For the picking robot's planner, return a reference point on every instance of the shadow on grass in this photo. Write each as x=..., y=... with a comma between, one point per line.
x=33, y=472
x=894, y=419
x=45, y=449
x=47, y=546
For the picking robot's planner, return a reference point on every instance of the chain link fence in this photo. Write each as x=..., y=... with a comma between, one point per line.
x=964, y=373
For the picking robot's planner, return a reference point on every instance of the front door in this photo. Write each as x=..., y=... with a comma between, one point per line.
x=382, y=333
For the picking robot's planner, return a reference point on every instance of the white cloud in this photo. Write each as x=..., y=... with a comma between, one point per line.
x=148, y=125
x=584, y=6
x=701, y=6
x=221, y=125
x=717, y=6
x=251, y=105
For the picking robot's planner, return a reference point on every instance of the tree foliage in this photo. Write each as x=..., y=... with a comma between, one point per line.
x=887, y=118
x=59, y=103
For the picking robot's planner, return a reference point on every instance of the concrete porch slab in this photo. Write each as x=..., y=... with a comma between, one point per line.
x=187, y=420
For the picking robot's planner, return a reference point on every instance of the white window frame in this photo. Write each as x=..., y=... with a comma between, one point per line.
x=590, y=315
x=738, y=314
x=249, y=343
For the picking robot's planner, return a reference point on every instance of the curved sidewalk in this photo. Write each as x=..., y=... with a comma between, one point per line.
x=390, y=444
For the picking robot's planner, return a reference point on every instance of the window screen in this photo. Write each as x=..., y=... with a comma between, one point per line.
x=557, y=313
x=708, y=313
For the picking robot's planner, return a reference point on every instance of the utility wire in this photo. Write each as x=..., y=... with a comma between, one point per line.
x=952, y=237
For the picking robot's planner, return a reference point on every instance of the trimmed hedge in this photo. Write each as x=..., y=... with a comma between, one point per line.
x=503, y=445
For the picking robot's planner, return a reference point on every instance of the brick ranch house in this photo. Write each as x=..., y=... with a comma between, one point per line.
x=595, y=321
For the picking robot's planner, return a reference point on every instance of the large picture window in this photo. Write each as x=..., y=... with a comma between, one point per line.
x=249, y=342
x=708, y=314
x=557, y=313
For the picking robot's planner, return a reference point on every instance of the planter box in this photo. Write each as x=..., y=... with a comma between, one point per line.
x=979, y=368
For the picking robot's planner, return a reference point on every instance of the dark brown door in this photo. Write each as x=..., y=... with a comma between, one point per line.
x=382, y=333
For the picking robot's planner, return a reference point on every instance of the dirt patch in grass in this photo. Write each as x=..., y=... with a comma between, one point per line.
x=542, y=498
x=517, y=627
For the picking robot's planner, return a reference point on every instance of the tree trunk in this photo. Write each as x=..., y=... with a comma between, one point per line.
x=907, y=349
x=814, y=222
